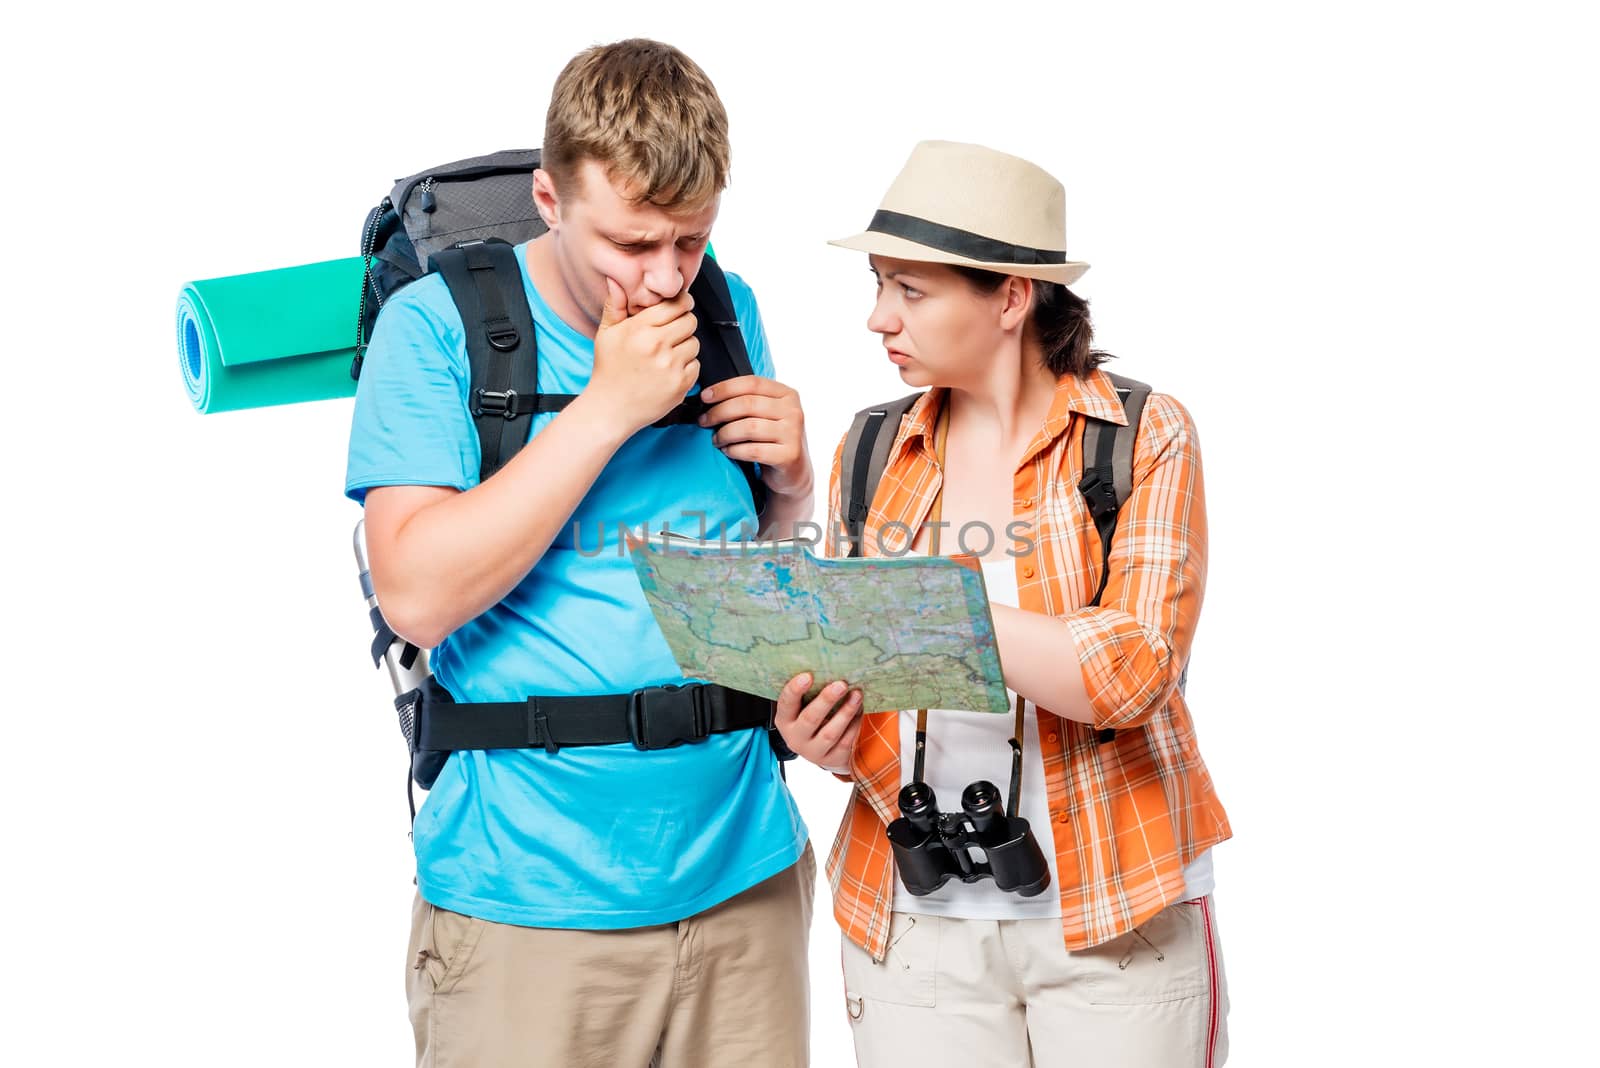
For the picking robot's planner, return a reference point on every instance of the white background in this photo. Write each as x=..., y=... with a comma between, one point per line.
x=1358, y=241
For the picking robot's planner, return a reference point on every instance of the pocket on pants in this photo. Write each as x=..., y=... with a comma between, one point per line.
x=449, y=940
x=1163, y=959
x=907, y=974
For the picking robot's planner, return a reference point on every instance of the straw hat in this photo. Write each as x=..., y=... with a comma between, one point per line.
x=974, y=207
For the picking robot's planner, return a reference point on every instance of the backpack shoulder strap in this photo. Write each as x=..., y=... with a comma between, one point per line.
x=722, y=350
x=1108, y=476
x=717, y=326
x=866, y=453
x=1108, y=466
x=1133, y=394
x=486, y=284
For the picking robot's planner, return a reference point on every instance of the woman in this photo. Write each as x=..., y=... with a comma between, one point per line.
x=1115, y=962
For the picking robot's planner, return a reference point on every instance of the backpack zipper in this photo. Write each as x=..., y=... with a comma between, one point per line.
x=430, y=180
x=368, y=241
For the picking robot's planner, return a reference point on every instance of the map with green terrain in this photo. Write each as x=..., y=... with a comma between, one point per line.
x=908, y=632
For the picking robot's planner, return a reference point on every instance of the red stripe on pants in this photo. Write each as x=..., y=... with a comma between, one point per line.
x=1211, y=961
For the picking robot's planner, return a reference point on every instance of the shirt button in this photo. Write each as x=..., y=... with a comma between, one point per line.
x=1052, y=737
x=1062, y=817
x=1027, y=571
x=1027, y=502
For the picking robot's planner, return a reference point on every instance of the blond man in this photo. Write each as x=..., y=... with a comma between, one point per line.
x=591, y=904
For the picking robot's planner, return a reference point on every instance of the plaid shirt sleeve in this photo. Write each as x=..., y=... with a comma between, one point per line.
x=1133, y=647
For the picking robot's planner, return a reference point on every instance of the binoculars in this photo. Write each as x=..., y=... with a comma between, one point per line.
x=931, y=847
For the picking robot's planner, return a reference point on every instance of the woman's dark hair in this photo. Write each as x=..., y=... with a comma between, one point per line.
x=1060, y=321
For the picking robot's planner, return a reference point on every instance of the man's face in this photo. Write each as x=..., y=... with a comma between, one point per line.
x=599, y=232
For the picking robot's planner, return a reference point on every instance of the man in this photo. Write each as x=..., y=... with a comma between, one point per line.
x=595, y=904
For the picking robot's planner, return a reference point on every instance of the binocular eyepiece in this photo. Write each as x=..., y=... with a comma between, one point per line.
x=931, y=847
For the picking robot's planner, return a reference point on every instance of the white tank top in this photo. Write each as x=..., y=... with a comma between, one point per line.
x=964, y=747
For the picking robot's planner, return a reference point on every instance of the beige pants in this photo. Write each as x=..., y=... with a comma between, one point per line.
x=728, y=986
x=980, y=992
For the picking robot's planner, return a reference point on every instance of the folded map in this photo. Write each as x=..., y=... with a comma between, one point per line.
x=908, y=632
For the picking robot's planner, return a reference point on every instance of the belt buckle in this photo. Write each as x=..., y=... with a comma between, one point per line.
x=661, y=717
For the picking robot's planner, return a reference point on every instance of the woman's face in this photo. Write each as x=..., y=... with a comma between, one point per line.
x=938, y=329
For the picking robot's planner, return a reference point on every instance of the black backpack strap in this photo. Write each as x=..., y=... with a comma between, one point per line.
x=486, y=284
x=865, y=455
x=652, y=717
x=1108, y=467
x=1108, y=476
x=722, y=353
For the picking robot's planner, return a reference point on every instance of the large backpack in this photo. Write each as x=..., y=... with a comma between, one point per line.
x=461, y=220
x=1107, y=470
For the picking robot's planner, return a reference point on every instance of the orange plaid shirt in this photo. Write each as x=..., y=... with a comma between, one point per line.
x=1126, y=815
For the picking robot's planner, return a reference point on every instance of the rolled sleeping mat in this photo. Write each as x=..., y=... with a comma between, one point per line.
x=270, y=337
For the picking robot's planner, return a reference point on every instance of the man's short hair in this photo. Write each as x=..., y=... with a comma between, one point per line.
x=646, y=113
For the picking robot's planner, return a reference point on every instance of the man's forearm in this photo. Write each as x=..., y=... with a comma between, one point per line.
x=455, y=559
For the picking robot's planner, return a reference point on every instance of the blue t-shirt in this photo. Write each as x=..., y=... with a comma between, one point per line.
x=593, y=837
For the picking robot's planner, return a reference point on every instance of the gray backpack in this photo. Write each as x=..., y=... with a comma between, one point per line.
x=428, y=212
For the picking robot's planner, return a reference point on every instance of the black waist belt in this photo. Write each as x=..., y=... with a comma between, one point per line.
x=656, y=717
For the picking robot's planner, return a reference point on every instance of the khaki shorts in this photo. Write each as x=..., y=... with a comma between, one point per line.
x=728, y=986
